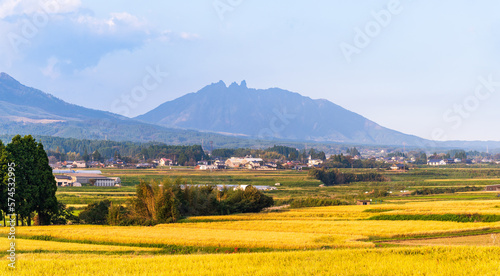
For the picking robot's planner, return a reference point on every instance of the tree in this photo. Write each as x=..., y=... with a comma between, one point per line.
x=46, y=201
x=4, y=160
x=95, y=213
x=421, y=159
x=35, y=183
x=461, y=155
x=96, y=156
x=61, y=216
x=86, y=156
x=353, y=152
x=182, y=159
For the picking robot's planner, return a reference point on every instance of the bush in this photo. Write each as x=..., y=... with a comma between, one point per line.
x=95, y=213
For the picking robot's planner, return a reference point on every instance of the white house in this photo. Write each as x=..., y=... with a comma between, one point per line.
x=436, y=162
x=235, y=162
x=79, y=164
x=63, y=180
x=165, y=162
x=314, y=162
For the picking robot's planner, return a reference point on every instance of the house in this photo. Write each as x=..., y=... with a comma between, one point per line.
x=144, y=166
x=495, y=188
x=67, y=164
x=96, y=164
x=63, y=180
x=220, y=164
x=436, y=162
x=363, y=202
x=206, y=167
x=398, y=167
x=271, y=165
x=79, y=164
x=235, y=162
x=165, y=162
x=253, y=165
x=314, y=162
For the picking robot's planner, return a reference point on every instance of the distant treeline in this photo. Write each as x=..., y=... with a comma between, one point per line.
x=275, y=152
x=98, y=150
x=449, y=190
x=331, y=177
x=342, y=161
x=168, y=201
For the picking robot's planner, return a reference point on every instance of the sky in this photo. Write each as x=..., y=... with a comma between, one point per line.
x=427, y=68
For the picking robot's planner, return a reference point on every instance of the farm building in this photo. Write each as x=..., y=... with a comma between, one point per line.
x=63, y=180
x=97, y=179
x=493, y=188
x=363, y=202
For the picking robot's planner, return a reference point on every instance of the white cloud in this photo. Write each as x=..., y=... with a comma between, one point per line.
x=29, y=7
x=116, y=22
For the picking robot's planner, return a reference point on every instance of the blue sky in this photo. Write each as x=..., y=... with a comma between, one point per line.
x=428, y=68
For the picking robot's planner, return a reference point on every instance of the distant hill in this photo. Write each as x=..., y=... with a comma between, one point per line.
x=233, y=116
x=271, y=113
x=25, y=110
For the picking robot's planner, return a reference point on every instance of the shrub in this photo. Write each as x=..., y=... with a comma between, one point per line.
x=95, y=213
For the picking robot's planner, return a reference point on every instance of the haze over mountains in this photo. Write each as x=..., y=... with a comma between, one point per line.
x=229, y=115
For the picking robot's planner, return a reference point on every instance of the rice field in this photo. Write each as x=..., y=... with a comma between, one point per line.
x=26, y=245
x=385, y=261
x=308, y=228
x=477, y=240
x=334, y=240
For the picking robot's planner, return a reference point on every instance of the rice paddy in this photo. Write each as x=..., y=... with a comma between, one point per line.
x=328, y=240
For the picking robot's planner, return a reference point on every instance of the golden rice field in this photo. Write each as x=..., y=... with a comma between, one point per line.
x=176, y=234
x=395, y=261
x=477, y=240
x=37, y=245
x=335, y=240
x=309, y=228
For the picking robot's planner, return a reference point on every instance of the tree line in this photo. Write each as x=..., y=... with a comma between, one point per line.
x=347, y=161
x=275, y=152
x=331, y=177
x=65, y=149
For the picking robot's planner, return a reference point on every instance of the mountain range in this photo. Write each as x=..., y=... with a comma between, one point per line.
x=231, y=116
x=271, y=113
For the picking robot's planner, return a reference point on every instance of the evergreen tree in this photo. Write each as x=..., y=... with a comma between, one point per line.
x=35, y=183
x=3, y=178
x=46, y=200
